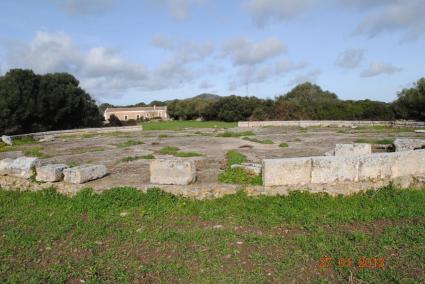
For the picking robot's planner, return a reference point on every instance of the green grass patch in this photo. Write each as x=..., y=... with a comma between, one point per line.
x=237, y=176
x=283, y=145
x=36, y=151
x=182, y=124
x=135, y=158
x=375, y=141
x=266, y=141
x=125, y=236
x=235, y=134
x=26, y=140
x=129, y=143
x=170, y=150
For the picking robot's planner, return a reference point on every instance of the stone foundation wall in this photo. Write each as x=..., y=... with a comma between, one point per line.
x=329, y=123
x=304, y=172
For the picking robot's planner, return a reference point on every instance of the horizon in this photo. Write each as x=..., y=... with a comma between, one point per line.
x=127, y=52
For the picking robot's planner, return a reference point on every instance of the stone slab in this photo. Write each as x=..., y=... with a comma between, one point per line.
x=376, y=166
x=50, y=173
x=84, y=173
x=172, y=171
x=23, y=167
x=406, y=144
x=251, y=168
x=409, y=163
x=290, y=171
x=334, y=169
x=355, y=149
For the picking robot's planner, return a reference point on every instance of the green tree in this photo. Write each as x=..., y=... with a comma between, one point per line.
x=411, y=102
x=32, y=103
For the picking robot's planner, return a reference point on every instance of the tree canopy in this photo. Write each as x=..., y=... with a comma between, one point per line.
x=31, y=103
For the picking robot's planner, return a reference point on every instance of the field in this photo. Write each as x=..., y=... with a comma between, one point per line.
x=179, y=125
x=127, y=236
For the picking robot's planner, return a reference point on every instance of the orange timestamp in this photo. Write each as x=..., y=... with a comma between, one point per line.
x=347, y=262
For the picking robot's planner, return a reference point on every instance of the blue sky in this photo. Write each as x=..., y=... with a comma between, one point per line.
x=127, y=51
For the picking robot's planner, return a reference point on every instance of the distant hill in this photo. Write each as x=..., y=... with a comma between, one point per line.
x=206, y=96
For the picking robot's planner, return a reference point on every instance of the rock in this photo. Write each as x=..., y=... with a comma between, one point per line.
x=333, y=169
x=7, y=140
x=356, y=149
x=84, y=173
x=419, y=131
x=252, y=168
x=172, y=171
x=22, y=167
x=406, y=144
x=50, y=173
x=4, y=164
x=288, y=171
x=47, y=138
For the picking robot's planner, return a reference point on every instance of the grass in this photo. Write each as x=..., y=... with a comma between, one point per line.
x=125, y=236
x=36, y=151
x=375, y=141
x=235, y=134
x=238, y=176
x=170, y=150
x=129, y=143
x=266, y=141
x=179, y=125
x=283, y=145
x=135, y=158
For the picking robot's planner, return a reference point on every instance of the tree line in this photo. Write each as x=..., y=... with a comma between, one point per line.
x=306, y=101
x=31, y=103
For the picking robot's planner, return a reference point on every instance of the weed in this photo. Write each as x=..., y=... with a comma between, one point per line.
x=35, y=152
x=283, y=145
x=129, y=143
x=169, y=150
x=135, y=158
x=188, y=154
x=237, y=175
x=235, y=134
x=267, y=141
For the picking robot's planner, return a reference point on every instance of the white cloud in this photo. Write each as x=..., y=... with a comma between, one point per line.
x=179, y=9
x=84, y=7
x=184, y=51
x=310, y=76
x=245, y=52
x=350, y=58
x=376, y=69
x=204, y=85
x=264, y=11
x=102, y=71
x=390, y=16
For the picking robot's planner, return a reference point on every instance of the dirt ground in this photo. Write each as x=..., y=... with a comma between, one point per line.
x=105, y=148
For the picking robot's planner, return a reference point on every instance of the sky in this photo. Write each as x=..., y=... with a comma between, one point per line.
x=127, y=51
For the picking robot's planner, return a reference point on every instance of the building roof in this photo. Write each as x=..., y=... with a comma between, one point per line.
x=123, y=109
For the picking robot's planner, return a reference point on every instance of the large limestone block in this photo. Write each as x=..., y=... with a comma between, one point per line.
x=376, y=166
x=23, y=167
x=4, y=165
x=356, y=149
x=406, y=144
x=172, y=171
x=290, y=171
x=334, y=169
x=50, y=173
x=410, y=163
x=84, y=173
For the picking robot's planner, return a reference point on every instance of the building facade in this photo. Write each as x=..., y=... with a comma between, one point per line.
x=137, y=113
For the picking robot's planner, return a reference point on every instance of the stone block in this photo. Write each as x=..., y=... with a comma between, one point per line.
x=50, y=173
x=334, y=169
x=172, y=171
x=290, y=171
x=376, y=166
x=22, y=167
x=409, y=163
x=406, y=144
x=7, y=140
x=251, y=168
x=356, y=149
x=84, y=173
x=4, y=165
